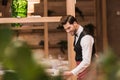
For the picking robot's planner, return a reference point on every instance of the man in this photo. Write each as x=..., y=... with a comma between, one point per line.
x=83, y=46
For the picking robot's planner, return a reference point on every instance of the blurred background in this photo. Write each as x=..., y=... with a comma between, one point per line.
x=47, y=42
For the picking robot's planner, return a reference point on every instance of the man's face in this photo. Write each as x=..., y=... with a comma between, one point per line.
x=70, y=28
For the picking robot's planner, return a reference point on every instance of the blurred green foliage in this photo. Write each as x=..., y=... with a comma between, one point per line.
x=17, y=61
x=109, y=66
x=18, y=10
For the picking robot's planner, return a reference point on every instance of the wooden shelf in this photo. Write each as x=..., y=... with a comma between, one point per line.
x=30, y=20
x=41, y=47
x=36, y=47
x=29, y=28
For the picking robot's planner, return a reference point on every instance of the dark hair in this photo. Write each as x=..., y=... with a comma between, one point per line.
x=69, y=18
x=89, y=29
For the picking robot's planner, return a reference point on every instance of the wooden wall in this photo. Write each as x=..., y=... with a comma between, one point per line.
x=113, y=22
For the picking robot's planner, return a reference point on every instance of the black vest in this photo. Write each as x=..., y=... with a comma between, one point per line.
x=78, y=48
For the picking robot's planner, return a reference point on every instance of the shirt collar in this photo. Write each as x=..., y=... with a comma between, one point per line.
x=80, y=29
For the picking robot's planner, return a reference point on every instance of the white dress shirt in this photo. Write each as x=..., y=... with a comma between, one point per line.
x=86, y=44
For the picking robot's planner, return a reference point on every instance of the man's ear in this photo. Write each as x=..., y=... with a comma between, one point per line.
x=75, y=23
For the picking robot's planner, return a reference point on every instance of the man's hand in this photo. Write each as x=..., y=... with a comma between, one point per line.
x=67, y=74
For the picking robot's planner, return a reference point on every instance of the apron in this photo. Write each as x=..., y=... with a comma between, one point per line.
x=88, y=74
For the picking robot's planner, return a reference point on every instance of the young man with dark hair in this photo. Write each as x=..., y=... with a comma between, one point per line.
x=83, y=46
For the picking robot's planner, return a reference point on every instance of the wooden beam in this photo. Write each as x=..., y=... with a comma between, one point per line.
x=46, y=46
x=28, y=28
x=0, y=13
x=104, y=25
x=70, y=4
x=30, y=20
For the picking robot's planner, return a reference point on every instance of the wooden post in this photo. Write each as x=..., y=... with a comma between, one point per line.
x=0, y=13
x=70, y=5
x=46, y=31
x=104, y=22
